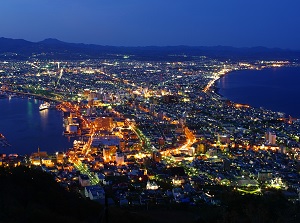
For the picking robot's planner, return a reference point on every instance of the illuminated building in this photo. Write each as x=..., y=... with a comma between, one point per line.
x=106, y=154
x=59, y=157
x=188, y=151
x=151, y=185
x=103, y=123
x=86, y=92
x=270, y=138
x=47, y=162
x=36, y=161
x=84, y=180
x=119, y=158
x=156, y=156
x=36, y=158
x=200, y=148
x=110, y=142
x=72, y=128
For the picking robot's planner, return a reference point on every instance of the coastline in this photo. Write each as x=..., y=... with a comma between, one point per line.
x=216, y=89
x=36, y=96
x=41, y=127
x=214, y=86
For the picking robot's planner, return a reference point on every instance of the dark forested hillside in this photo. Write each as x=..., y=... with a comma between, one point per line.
x=28, y=195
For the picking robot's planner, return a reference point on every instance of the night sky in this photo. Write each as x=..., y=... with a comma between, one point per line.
x=240, y=23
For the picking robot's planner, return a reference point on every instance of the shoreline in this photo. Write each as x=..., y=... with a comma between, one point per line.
x=214, y=88
x=36, y=96
x=62, y=145
x=212, y=85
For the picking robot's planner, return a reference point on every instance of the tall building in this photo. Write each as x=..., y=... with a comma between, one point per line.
x=270, y=138
x=107, y=154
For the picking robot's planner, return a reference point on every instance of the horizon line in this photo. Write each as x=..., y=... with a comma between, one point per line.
x=137, y=46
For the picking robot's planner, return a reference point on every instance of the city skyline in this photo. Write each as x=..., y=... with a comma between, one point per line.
x=160, y=23
x=148, y=129
x=149, y=135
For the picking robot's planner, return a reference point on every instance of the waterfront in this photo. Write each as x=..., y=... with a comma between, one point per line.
x=26, y=128
x=274, y=89
x=140, y=141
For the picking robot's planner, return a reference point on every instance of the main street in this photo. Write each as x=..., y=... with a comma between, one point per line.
x=74, y=159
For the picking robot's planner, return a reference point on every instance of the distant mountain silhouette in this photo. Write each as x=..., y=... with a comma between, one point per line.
x=51, y=41
x=55, y=49
x=13, y=45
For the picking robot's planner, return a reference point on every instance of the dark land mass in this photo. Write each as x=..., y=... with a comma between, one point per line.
x=30, y=195
x=56, y=49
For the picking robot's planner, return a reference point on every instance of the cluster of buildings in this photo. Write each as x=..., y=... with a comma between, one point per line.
x=157, y=133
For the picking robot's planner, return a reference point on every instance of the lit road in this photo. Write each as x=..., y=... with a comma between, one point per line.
x=141, y=136
x=79, y=165
x=84, y=170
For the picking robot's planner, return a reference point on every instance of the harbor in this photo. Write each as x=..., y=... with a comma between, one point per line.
x=26, y=127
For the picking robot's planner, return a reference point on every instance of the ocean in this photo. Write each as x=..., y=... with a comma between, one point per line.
x=27, y=129
x=276, y=89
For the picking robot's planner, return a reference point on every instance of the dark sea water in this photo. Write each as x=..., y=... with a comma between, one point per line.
x=277, y=89
x=26, y=128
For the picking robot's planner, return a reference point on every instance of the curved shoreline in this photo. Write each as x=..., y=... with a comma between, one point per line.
x=216, y=89
x=41, y=132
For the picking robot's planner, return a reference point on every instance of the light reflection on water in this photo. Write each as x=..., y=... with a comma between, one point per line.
x=44, y=118
x=26, y=127
x=274, y=89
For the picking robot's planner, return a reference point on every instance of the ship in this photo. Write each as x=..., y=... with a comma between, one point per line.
x=44, y=106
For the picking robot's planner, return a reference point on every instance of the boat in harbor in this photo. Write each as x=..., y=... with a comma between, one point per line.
x=10, y=96
x=44, y=106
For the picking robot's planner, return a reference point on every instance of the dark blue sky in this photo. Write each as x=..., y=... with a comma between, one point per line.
x=241, y=23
